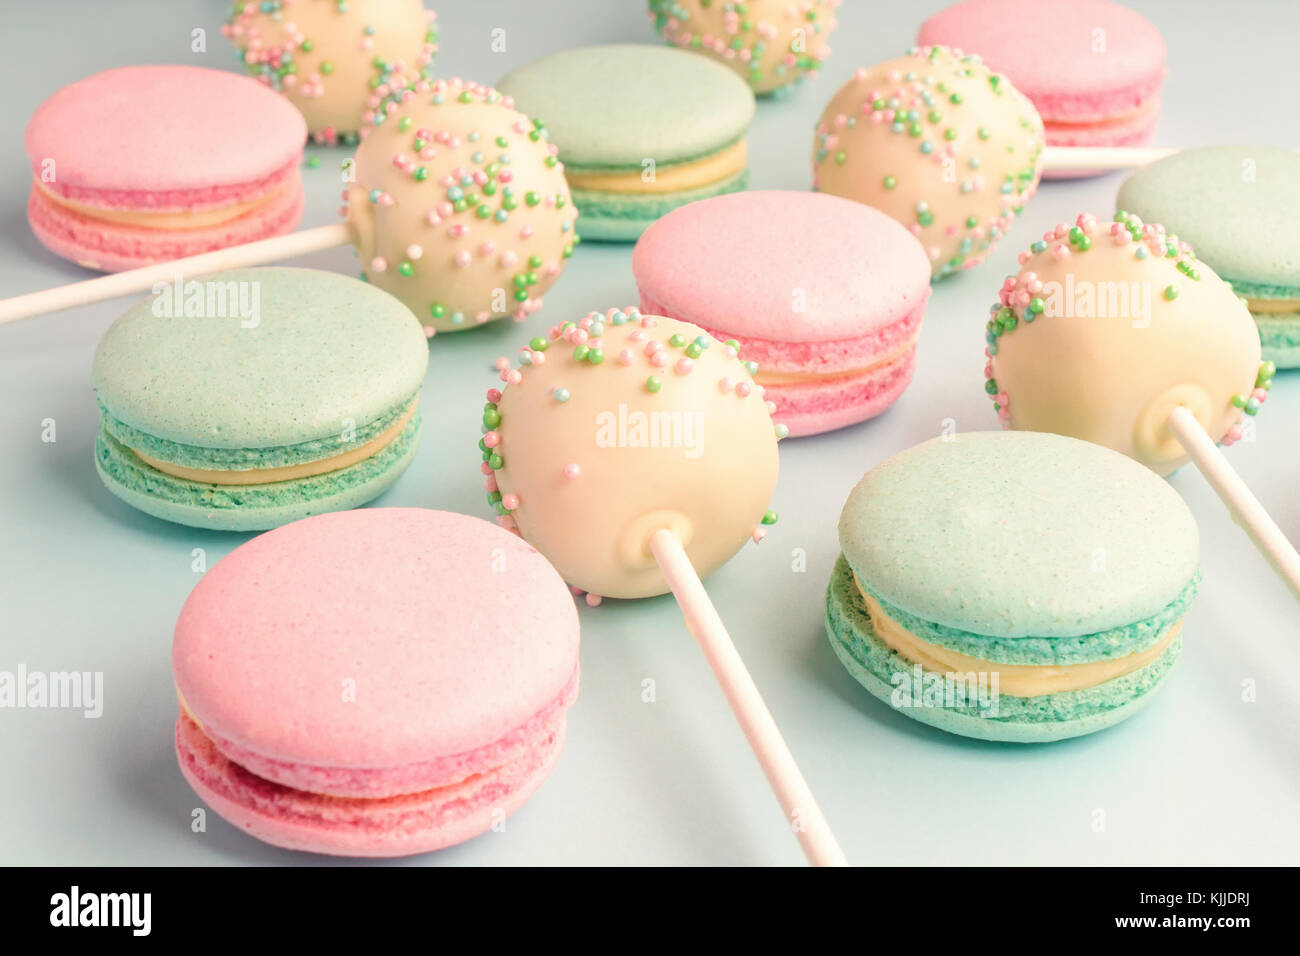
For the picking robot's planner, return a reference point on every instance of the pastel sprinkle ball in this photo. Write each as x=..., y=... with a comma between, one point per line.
x=642, y=351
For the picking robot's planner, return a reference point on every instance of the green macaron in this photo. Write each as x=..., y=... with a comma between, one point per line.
x=1239, y=207
x=1013, y=586
x=640, y=129
x=257, y=397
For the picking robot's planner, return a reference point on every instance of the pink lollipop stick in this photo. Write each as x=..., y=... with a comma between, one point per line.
x=135, y=281
x=787, y=783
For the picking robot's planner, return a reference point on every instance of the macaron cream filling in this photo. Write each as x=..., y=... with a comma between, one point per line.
x=169, y=219
x=699, y=173
x=246, y=466
x=370, y=784
x=1017, y=680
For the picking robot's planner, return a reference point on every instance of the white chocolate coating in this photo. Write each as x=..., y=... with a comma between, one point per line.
x=460, y=207
x=939, y=143
x=769, y=43
x=1127, y=332
x=335, y=61
x=697, y=456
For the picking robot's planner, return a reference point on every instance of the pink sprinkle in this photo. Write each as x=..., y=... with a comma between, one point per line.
x=378, y=264
x=509, y=258
x=683, y=366
x=462, y=258
x=414, y=251
x=759, y=535
x=492, y=439
x=490, y=484
x=648, y=322
x=625, y=356
x=526, y=232
x=1060, y=251
x=487, y=247
x=486, y=469
x=494, y=395
x=593, y=600
x=501, y=363
x=511, y=502
x=742, y=389
x=724, y=385
x=658, y=359
x=571, y=471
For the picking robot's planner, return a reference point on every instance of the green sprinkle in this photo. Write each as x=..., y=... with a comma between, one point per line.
x=653, y=384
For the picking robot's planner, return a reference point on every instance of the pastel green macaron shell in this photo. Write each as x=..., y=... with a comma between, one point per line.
x=639, y=109
x=1019, y=534
x=622, y=217
x=614, y=107
x=257, y=368
x=1239, y=208
x=883, y=671
x=1020, y=548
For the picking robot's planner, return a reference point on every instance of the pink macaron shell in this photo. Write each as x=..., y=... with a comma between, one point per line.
x=162, y=138
x=404, y=642
x=1076, y=60
x=795, y=267
x=113, y=246
x=397, y=826
x=819, y=358
x=816, y=407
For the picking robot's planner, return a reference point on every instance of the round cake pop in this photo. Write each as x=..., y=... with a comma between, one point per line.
x=770, y=43
x=622, y=424
x=332, y=59
x=1108, y=327
x=459, y=205
x=949, y=149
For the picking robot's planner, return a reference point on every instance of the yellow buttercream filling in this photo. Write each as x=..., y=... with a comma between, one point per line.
x=1017, y=680
x=152, y=219
x=766, y=378
x=665, y=179
x=1117, y=120
x=1274, y=306
x=259, y=476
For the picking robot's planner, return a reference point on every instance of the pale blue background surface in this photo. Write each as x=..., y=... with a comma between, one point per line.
x=86, y=583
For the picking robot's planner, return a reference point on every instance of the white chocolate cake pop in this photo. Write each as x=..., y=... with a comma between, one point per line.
x=334, y=59
x=617, y=426
x=1108, y=327
x=459, y=206
x=770, y=43
x=935, y=140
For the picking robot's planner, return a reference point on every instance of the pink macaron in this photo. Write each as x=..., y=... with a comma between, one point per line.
x=1092, y=68
x=374, y=683
x=825, y=294
x=146, y=164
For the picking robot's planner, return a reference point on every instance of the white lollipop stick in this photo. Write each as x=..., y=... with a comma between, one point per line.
x=792, y=792
x=1102, y=157
x=1232, y=491
x=135, y=281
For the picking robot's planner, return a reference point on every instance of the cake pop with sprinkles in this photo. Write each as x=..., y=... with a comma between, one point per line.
x=940, y=143
x=772, y=44
x=459, y=205
x=334, y=59
x=1111, y=325
x=618, y=425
